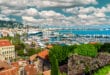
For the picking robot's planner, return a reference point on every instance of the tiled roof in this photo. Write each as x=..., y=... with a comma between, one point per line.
x=15, y=64
x=5, y=43
x=43, y=54
x=33, y=57
x=92, y=42
x=31, y=69
x=11, y=71
x=47, y=72
x=4, y=64
x=49, y=46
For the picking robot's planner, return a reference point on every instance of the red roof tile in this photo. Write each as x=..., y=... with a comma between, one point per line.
x=92, y=42
x=11, y=71
x=4, y=65
x=5, y=43
x=49, y=46
x=31, y=69
x=15, y=64
x=43, y=54
x=33, y=57
x=47, y=72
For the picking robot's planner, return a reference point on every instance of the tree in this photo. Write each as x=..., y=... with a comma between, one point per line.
x=20, y=46
x=54, y=65
x=105, y=47
x=98, y=46
x=86, y=50
x=31, y=51
x=62, y=52
x=20, y=52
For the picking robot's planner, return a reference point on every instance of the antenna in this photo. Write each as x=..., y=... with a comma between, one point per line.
x=27, y=30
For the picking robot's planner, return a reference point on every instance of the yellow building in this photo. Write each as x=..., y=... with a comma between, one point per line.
x=7, y=50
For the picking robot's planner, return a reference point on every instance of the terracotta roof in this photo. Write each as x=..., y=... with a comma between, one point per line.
x=47, y=72
x=5, y=65
x=33, y=57
x=15, y=64
x=92, y=42
x=43, y=54
x=11, y=71
x=31, y=69
x=5, y=43
x=49, y=46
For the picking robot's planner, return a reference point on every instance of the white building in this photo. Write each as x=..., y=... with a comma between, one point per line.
x=7, y=50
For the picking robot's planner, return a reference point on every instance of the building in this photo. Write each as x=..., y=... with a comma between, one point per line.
x=1, y=57
x=7, y=50
x=7, y=69
x=47, y=72
x=42, y=62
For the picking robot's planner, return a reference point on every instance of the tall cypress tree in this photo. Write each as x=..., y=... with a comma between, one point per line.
x=54, y=65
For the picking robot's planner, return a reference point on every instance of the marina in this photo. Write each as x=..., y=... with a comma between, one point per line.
x=70, y=36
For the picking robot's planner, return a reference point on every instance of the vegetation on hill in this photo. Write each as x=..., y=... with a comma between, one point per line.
x=105, y=47
x=61, y=52
x=10, y=24
x=83, y=58
x=103, y=71
x=86, y=50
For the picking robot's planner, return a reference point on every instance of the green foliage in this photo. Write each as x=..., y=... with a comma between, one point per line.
x=31, y=51
x=20, y=46
x=54, y=65
x=61, y=52
x=97, y=45
x=20, y=52
x=86, y=50
x=105, y=47
x=103, y=71
x=16, y=39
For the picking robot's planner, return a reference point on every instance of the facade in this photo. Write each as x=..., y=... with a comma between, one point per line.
x=7, y=50
x=42, y=62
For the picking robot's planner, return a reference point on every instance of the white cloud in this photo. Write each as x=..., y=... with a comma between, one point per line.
x=28, y=19
x=50, y=14
x=47, y=3
x=100, y=15
x=29, y=11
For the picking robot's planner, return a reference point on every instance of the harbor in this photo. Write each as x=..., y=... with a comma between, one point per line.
x=68, y=36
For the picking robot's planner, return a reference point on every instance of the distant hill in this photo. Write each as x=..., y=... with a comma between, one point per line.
x=10, y=24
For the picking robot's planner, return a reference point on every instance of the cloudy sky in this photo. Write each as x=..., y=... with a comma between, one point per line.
x=56, y=12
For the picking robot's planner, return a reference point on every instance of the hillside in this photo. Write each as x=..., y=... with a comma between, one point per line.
x=10, y=24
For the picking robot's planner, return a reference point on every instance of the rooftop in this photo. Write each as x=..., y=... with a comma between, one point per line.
x=5, y=43
x=4, y=65
x=49, y=46
x=47, y=72
x=43, y=54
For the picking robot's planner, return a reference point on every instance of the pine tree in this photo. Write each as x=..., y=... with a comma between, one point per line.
x=54, y=65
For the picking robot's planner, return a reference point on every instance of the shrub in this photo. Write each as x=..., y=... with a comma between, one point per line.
x=103, y=71
x=86, y=50
x=61, y=52
x=105, y=47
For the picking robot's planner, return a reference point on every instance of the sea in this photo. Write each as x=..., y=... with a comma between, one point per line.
x=85, y=32
x=84, y=29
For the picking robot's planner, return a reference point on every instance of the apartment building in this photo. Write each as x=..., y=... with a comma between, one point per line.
x=7, y=50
